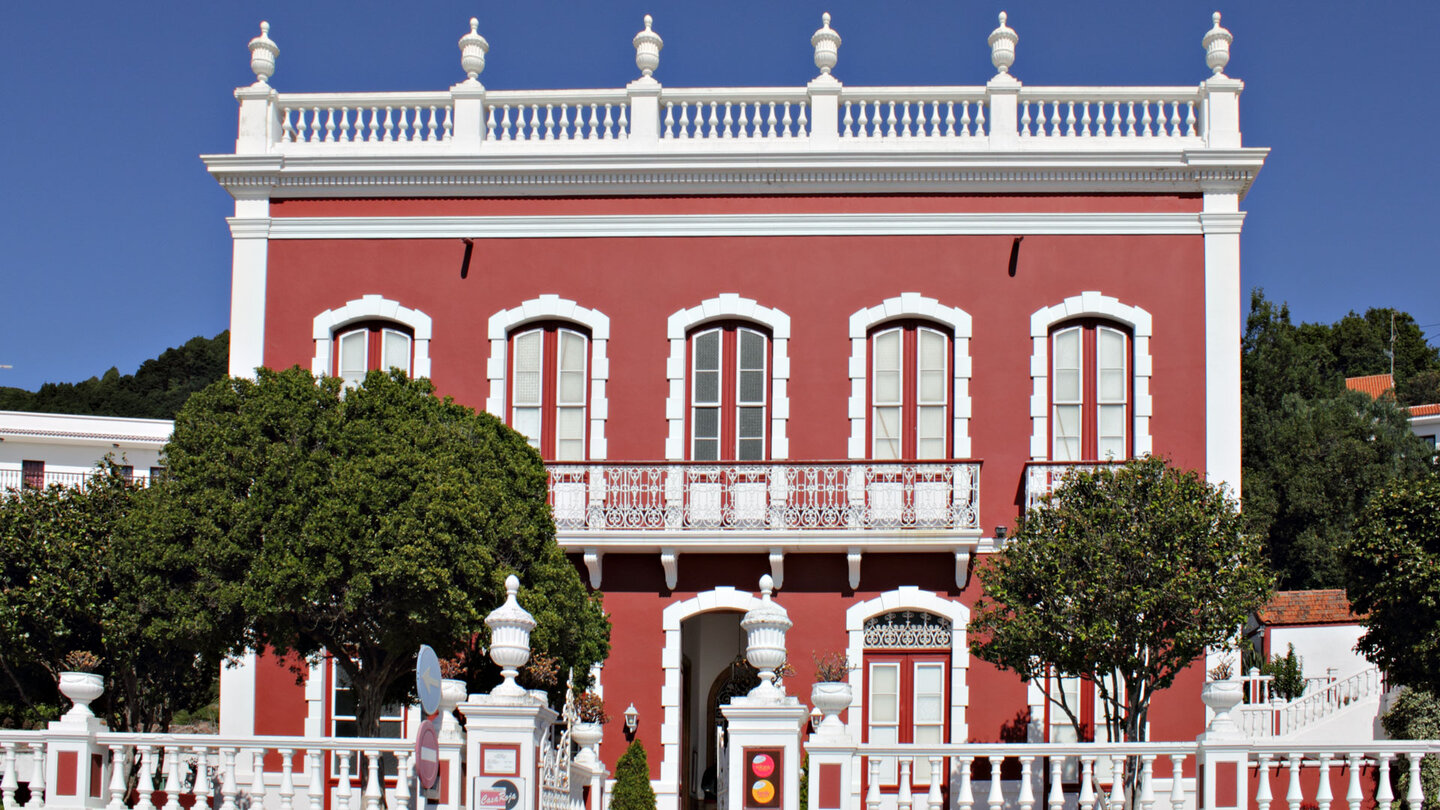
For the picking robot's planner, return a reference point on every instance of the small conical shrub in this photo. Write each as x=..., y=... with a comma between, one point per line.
x=632, y=781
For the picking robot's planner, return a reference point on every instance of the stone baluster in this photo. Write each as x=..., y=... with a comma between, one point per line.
x=1147, y=782
x=118, y=773
x=1056, y=798
x=287, y=778
x=872, y=793
x=1323, y=794
x=1027, y=789
x=201, y=786
x=1263, y=796
x=933, y=798
x=39, y=788
x=1353, y=794
x=1384, y=794
x=257, y=777
x=1415, y=797
x=996, y=799
x=906, y=799
x=1087, y=782
x=172, y=777
x=1117, y=782
x=229, y=790
x=402, y=778
x=1293, y=794
x=343, y=781
x=9, y=784
x=145, y=784
x=373, y=791
x=966, y=797
x=315, y=759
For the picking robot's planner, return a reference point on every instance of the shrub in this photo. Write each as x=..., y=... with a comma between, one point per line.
x=632, y=781
x=1289, y=680
x=831, y=667
x=1415, y=715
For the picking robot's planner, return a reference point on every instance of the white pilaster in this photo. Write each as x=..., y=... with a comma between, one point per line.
x=1222, y=220
x=250, y=231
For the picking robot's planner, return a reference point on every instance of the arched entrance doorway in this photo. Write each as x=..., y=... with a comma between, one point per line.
x=712, y=670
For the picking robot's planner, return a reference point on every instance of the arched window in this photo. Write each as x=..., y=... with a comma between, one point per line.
x=370, y=345
x=549, y=378
x=729, y=393
x=907, y=683
x=909, y=392
x=1090, y=391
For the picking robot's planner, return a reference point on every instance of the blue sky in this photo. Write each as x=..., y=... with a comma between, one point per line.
x=114, y=237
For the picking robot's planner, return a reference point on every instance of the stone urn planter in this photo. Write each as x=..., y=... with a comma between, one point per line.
x=453, y=692
x=831, y=698
x=81, y=688
x=587, y=735
x=1222, y=697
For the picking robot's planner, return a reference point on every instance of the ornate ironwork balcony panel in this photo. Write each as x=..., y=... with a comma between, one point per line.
x=766, y=496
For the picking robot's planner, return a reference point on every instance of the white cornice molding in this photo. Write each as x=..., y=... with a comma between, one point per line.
x=924, y=171
x=1222, y=221
x=249, y=228
x=669, y=225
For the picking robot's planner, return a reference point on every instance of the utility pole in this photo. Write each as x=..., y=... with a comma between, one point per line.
x=1392, y=346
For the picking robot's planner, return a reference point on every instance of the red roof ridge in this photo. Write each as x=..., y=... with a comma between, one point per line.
x=1307, y=607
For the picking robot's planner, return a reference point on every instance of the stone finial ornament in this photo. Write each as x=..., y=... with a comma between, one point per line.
x=510, y=627
x=765, y=626
x=1002, y=46
x=263, y=52
x=827, y=45
x=473, y=48
x=1217, y=46
x=647, y=49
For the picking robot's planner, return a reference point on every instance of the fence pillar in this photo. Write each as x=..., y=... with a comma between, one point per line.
x=832, y=758
x=502, y=748
x=1223, y=753
x=76, y=768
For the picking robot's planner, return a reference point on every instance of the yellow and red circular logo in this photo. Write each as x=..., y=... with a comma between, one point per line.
x=762, y=765
x=763, y=791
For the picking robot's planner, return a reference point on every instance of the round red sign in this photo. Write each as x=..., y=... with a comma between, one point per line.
x=427, y=754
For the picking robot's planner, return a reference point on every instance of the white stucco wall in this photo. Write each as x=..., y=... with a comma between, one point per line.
x=1321, y=647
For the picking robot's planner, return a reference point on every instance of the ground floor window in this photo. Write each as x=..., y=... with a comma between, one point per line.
x=907, y=686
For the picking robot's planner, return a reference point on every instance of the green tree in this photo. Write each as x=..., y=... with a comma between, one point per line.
x=1289, y=678
x=632, y=781
x=1168, y=571
x=363, y=523
x=155, y=391
x=68, y=583
x=1415, y=715
x=1312, y=450
x=1391, y=580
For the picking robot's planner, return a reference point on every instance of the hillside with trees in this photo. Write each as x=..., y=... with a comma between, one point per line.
x=155, y=391
x=1314, y=452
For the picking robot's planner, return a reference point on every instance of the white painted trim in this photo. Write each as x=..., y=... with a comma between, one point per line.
x=249, y=258
x=909, y=305
x=364, y=308
x=551, y=307
x=1223, y=326
x=1092, y=304
x=794, y=224
x=907, y=597
x=725, y=307
x=667, y=789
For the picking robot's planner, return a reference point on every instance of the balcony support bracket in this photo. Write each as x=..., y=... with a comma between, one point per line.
x=592, y=564
x=852, y=559
x=670, y=561
x=777, y=567
x=962, y=569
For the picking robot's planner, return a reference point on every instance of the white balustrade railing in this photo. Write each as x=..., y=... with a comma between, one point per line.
x=1273, y=718
x=888, y=113
x=756, y=113
x=19, y=479
x=1116, y=113
x=227, y=772
x=1042, y=477
x=766, y=496
x=1113, y=776
x=557, y=115
x=370, y=118
x=599, y=120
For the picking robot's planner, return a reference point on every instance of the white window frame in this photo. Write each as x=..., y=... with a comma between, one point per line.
x=328, y=326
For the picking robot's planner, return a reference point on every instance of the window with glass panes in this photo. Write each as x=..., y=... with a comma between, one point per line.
x=548, y=388
x=344, y=722
x=729, y=394
x=907, y=663
x=1089, y=392
x=368, y=347
x=909, y=393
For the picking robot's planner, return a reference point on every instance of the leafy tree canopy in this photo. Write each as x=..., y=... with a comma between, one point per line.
x=1313, y=451
x=155, y=391
x=70, y=582
x=1123, y=576
x=363, y=522
x=1393, y=580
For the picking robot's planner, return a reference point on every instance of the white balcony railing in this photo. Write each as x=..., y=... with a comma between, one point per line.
x=1042, y=477
x=1278, y=718
x=19, y=479
x=761, y=496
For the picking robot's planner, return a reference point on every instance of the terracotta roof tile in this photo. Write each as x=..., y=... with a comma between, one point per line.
x=1307, y=607
x=1374, y=384
x=1425, y=410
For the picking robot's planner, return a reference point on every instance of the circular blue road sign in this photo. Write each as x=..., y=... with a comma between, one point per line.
x=427, y=679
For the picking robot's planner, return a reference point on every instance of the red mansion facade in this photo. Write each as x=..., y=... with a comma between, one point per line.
x=838, y=335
